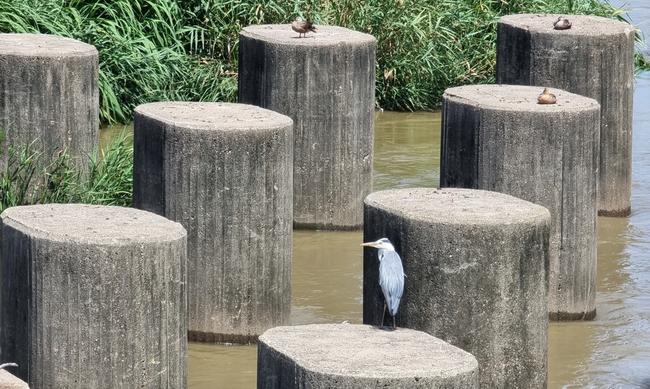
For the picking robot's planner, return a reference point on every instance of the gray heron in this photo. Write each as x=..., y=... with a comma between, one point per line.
x=391, y=276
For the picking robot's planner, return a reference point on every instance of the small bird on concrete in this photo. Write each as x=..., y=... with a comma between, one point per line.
x=562, y=23
x=9, y=364
x=391, y=276
x=302, y=27
x=546, y=97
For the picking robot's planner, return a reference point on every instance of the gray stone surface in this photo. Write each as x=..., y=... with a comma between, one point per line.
x=49, y=94
x=326, y=84
x=10, y=381
x=593, y=58
x=224, y=171
x=475, y=265
x=360, y=356
x=496, y=137
x=93, y=297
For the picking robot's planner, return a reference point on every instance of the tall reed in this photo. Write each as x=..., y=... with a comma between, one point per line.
x=106, y=179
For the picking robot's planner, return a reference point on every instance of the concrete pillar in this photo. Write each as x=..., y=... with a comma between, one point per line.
x=594, y=58
x=93, y=297
x=360, y=356
x=476, y=265
x=223, y=171
x=10, y=381
x=497, y=137
x=326, y=84
x=49, y=94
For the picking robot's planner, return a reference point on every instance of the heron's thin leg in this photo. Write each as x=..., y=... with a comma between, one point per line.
x=381, y=325
x=394, y=322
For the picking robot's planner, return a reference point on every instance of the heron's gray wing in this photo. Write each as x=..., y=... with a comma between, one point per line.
x=391, y=279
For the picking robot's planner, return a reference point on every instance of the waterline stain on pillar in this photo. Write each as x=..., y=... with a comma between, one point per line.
x=594, y=58
x=326, y=84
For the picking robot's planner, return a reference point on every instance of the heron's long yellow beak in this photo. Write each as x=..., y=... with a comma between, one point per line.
x=369, y=244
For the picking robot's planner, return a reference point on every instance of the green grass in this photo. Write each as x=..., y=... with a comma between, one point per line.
x=106, y=178
x=152, y=50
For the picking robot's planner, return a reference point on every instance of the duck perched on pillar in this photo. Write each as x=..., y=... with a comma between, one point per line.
x=562, y=23
x=546, y=97
x=302, y=27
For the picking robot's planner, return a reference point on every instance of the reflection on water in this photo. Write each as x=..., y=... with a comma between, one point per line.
x=407, y=150
x=638, y=11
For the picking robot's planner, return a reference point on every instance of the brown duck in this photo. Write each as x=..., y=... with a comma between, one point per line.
x=562, y=23
x=546, y=97
x=302, y=27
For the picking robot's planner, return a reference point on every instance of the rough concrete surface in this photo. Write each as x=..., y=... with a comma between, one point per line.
x=10, y=381
x=326, y=84
x=49, y=95
x=496, y=137
x=476, y=265
x=93, y=297
x=594, y=58
x=224, y=171
x=360, y=356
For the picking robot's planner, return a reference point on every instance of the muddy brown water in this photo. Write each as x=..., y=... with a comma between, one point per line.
x=613, y=351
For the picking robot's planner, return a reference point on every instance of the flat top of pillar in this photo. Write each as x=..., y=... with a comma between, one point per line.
x=518, y=98
x=43, y=45
x=586, y=25
x=92, y=224
x=366, y=351
x=214, y=116
x=324, y=35
x=457, y=206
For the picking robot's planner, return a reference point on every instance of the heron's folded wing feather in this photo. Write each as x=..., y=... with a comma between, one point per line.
x=391, y=279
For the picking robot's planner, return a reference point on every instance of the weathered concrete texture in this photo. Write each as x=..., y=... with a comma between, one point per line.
x=224, y=171
x=496, y=137
x=49, y=94
x=93, y=297
x=594, y=58
x=360, y=356
x=326, y=84
x=476, y=265
x=10, y=381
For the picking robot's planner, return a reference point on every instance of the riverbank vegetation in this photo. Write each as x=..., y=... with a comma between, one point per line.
x=106, y=177
x=153, y=50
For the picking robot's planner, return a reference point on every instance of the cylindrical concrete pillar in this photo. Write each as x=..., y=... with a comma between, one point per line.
x=49, y=95
x=326, y=84
x=476, y=275
x=359, y=356
x=497, y=137
x=594, y=58
x=93, y=297
x=224, y=172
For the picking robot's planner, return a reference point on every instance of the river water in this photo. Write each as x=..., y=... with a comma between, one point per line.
x=613, y=351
